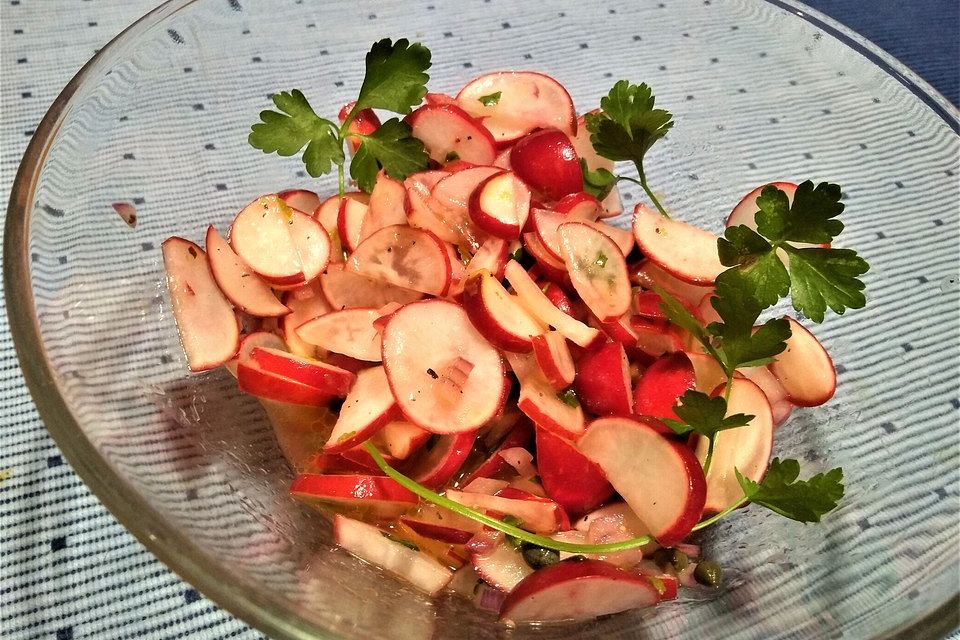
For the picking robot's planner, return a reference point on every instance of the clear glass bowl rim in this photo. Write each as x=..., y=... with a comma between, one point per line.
x=135, y=513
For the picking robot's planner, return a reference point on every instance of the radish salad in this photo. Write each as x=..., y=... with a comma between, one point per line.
x=491, y=389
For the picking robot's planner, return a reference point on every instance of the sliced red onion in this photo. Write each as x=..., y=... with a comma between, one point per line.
x=483, y=542
x=521, y=460
x=691, y=550
x=127, y=212
x=488, y=598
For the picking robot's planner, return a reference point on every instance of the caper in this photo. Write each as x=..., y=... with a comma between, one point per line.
x=538, y=557
x=708, y=573
x=673, y=558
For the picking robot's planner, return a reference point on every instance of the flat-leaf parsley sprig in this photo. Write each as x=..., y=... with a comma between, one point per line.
x=395, y=80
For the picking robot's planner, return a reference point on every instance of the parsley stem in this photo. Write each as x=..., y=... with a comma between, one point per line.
x=643, y=183
x=709, y=457
x=341, y=187
x=703, y=524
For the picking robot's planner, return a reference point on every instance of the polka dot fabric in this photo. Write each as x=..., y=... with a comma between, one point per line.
x=168, y=127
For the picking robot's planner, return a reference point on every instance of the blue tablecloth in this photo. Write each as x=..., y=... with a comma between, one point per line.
x=64, y=561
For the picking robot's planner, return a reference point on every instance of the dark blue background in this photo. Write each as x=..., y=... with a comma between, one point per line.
x=922, y=34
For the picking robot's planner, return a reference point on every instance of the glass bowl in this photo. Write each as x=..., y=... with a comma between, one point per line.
x=760, y=91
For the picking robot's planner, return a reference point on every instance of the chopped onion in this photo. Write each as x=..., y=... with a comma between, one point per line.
x=521, y=460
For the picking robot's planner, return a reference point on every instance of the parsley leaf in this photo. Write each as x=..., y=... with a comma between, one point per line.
x=680, y=315
x=740, y=344
x=822, y=278
x=704, y=415
x=800, y=500
x=490, y=100
x=811, y=218
x=627, y=125
x=771, y=267
x=295, y=126
x=396, y=78
x=392, y=147
x=599, y=182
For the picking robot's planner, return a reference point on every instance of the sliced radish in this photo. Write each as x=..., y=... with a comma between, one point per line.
x=649, y=275
x=583, y=145
x=379, y=496
x=780, y=406
x=367, y=408
x=540, y=402
x=684, y=251
x=492, y=256
x=350, y=332
x=497, y=315
x=450, y=133
x=597, y=270
x=327, y=214
x=537, y=303
x=571, y=479
x=660, y=386
x=364, y=122
x=453, y=194
x=603, y=380
x=537, y=516
x=805, y=369
x=619, y=330
x=238, y=282
x=745, y=448
x=420, y=342
x=369, y=543
x=333, y=380
x=251, y=341
x=442, y=524
x=746, y=210
x=501, y=566
x=388, y=206
x=252, y=379
x=346, y=289
x=500, y=205
x=548, y=163
x=406, y=257
x=655, y=338
x=559, y=298
x=552, y=268
x=575, y=590
x=425, y=212
x=554, y=359
x=209, y=331
x=434, y=466
x=659, y=478
x=400, y=439
x=528, y=101
x=261, y=236
x=350, y=222
x=520, y=435
x=486, y=486
x=300, y=199
x=612, y=205
x=579, y=206
x=708, y=373
x=305, y=303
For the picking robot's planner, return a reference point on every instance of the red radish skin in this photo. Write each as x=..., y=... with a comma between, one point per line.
x=540, y=402
x=577, y=590
x=603, y=381
x=570, y=479
x=450, y=535
x=261, y=237
x=369, y=543
x=449, y=132
x=350, y=332
x=554, y=359
x=420, y=341
x=346, y=289
x=649, y=275
x=271, y=386
x=435, y=466
x=492, y=256
x=425, y=212
x=367, y=408
x=597, y=270
x=528, y=101
x=655, y=338
x=746, y=448
x=497, y=315
x=708, y=374
x=660, y=386
x=684, y=251
x=323, y=376
x=400, y=439
x=453, y=195
x=251, y=341
x=579, y=206
x=805, y=369
x=350, y=221
x=405, y=257
x=300, y=199
x=238, y=282
x=550, y=266
x=548, y=163
x=559, y=298
x=305, y=303
x=521, y=435
x=208, y=328
x=364, y=122
x=660, y=478
x=500, y=205
x=619, y=330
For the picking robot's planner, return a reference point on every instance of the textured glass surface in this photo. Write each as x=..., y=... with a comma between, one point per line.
x=190, y=465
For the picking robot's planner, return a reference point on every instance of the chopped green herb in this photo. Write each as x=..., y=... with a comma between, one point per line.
x=601, y=260
x=491, y=99
x=569, y=397
x=405, y=543
x=452, y=156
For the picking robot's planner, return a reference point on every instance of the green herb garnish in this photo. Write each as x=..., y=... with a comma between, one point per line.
x=491, y=99
x=395, y=80
x=569, y=397
x=800, y=500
